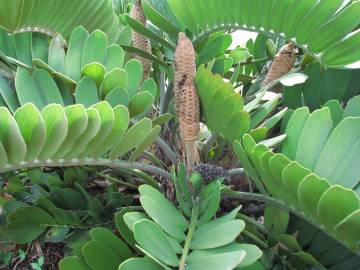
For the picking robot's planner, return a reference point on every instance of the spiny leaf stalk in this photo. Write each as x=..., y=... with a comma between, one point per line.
x=71, y=133
x=101, y=162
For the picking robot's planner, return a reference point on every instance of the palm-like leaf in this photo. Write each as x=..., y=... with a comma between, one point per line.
x=160, y=234
x=69, y=136
x=155, y=8
x=222, y=108
x=323, y=28
x=90, y=67
x=51, y=16
x=166, y=225
x=104, y=250
x=316, y=171
x=63, y=207
x=322, y=86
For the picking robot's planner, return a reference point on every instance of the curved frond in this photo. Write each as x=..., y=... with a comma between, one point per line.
x=223, y=109
x=51, y=16
x=167, y=225
x=329, y=84
x=168, y=238
x=91, y=66
x=70, y=136
x=317, y=171
x=323, y=28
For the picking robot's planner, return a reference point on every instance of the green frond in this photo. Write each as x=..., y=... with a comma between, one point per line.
x=70, y=136
x=323, y=28
x=223, y=109
x=90, y=67
x=51, y=16
x=316, y=173
x=168, y=239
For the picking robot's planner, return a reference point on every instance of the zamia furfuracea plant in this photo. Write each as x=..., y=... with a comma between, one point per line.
x=86, y=69
x=70, y=136
x=323, y=29
x=53, y=207
x=315, y=174
x=187, y=238
x=101, y=250
x=186, y=98
x=190, y=240
x=222, y=108
x=52, y=17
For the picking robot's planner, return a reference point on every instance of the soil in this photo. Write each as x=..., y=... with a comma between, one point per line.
x=52, y=252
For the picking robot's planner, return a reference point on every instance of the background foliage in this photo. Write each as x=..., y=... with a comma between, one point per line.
x=90, y=153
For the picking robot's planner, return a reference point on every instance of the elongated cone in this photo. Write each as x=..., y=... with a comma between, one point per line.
x=282, y=64
x=186, y=98
x=140, y=41
x=184, y=65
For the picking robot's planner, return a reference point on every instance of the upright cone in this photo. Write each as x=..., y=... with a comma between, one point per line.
x=140, y=41
x=282, y=64
x=186, y=98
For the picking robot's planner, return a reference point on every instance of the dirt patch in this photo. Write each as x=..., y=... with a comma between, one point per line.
x=52, y=253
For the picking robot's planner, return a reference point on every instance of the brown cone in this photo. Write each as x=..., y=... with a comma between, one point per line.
x=186, y=98
x=282, y=64
x=184, y=65
x=140, y=41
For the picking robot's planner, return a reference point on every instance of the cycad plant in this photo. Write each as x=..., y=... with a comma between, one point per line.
x=169, y=238
x=102, y=103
